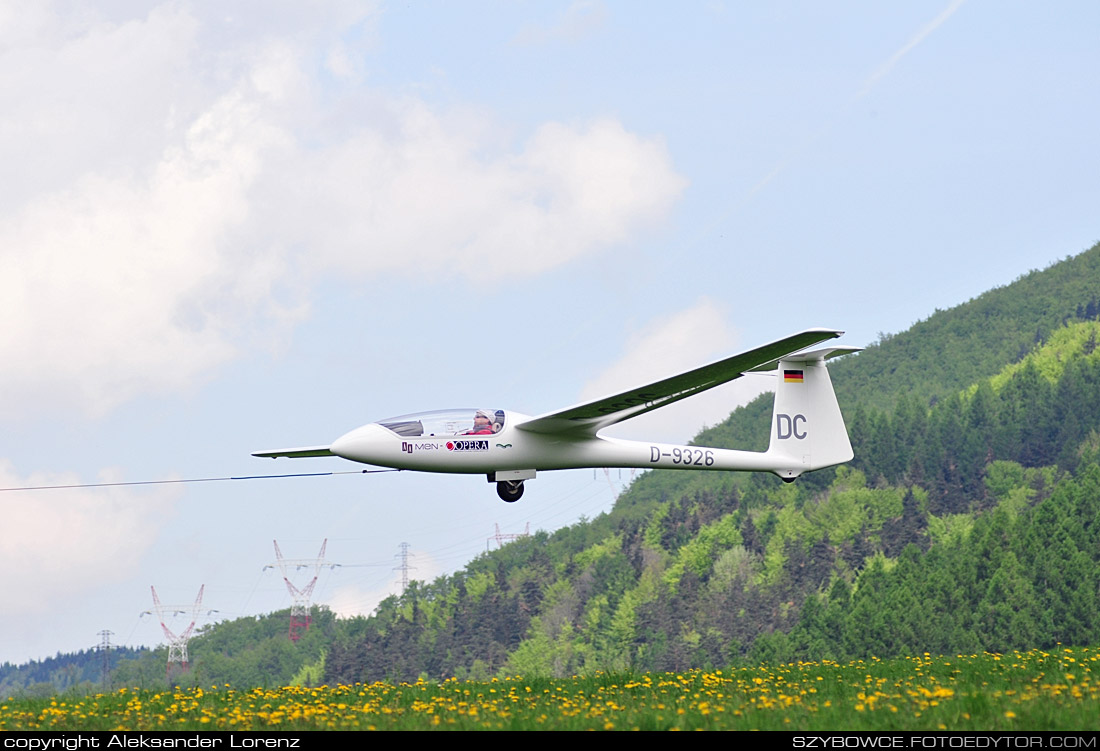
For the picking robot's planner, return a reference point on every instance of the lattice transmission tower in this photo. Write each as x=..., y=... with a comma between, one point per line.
x=503, y=537
x=404, y=568
x=105, y=653
x=177, y=643
x=302, y=596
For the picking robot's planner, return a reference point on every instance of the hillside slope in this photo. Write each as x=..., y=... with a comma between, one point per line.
x=958, y=432
x=966, y=521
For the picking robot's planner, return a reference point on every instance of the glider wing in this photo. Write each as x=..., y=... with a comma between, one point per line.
x=296, y=453
x=588, y=418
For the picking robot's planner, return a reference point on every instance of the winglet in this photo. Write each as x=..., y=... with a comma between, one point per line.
x=817, y=355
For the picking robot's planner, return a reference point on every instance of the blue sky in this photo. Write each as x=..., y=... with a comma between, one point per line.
x=257, y=228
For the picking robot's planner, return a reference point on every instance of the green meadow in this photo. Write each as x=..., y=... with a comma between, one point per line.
x=1035, y=690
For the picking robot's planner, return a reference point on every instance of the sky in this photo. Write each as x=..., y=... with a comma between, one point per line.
x=232, y=228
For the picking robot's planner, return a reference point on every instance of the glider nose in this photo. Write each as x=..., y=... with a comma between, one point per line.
x=367, y=444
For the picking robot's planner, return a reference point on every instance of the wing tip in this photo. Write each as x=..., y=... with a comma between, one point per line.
x=295, y=453
x=833, y=333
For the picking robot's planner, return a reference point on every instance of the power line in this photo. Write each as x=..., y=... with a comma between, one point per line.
x=198, y=479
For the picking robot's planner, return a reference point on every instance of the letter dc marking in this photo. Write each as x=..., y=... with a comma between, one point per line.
x=786, y=426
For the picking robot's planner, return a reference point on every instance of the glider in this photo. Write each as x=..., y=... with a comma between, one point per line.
x=808, y=430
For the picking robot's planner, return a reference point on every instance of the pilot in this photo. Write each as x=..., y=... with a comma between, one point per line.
x=483, y=423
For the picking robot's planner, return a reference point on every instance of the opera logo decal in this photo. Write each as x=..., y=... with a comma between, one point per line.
x=467, y=445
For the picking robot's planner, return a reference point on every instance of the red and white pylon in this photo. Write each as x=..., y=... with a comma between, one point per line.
x=300, y=610
x=502, y=537
x=177, y=643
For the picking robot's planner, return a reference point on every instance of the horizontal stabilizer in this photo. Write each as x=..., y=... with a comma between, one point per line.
x=826, y=353
x=296, y=453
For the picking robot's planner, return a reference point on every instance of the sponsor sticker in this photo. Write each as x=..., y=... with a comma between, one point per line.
x=475, y=445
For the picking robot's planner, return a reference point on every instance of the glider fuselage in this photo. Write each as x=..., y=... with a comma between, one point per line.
x=512, y=448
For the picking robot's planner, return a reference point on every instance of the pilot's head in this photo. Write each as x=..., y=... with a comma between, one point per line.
x=483, y=418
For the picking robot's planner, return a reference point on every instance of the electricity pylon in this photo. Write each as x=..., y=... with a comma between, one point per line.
x=105, y=652
x=502, y=537
x=177, y=643
x=300, y=610
x=404, y=567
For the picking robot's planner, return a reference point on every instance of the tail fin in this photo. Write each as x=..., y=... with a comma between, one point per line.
x=807, y=427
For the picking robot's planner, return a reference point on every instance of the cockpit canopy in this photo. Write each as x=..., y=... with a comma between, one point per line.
x=446, y=422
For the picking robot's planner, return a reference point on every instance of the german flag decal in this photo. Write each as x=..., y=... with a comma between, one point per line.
x=792, y=376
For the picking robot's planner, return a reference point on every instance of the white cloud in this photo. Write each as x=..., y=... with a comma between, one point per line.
x=189, y=177
x=117, y=286
x=686, y=340
x=421, y=194
x=86, y=96
x=62, y=542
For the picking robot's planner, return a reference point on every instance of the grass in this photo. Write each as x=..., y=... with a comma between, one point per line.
x=1034, y=690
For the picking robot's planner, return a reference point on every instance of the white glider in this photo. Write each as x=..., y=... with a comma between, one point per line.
x=808, y=430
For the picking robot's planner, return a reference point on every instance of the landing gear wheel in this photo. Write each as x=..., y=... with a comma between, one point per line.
x=510, y=491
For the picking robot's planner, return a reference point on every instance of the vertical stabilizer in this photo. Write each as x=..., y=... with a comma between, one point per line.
x=807, y=428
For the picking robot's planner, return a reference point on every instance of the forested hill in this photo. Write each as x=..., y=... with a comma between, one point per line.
x=973, y=492
x=966, y=521
x=955, y=348
x=79, y=671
